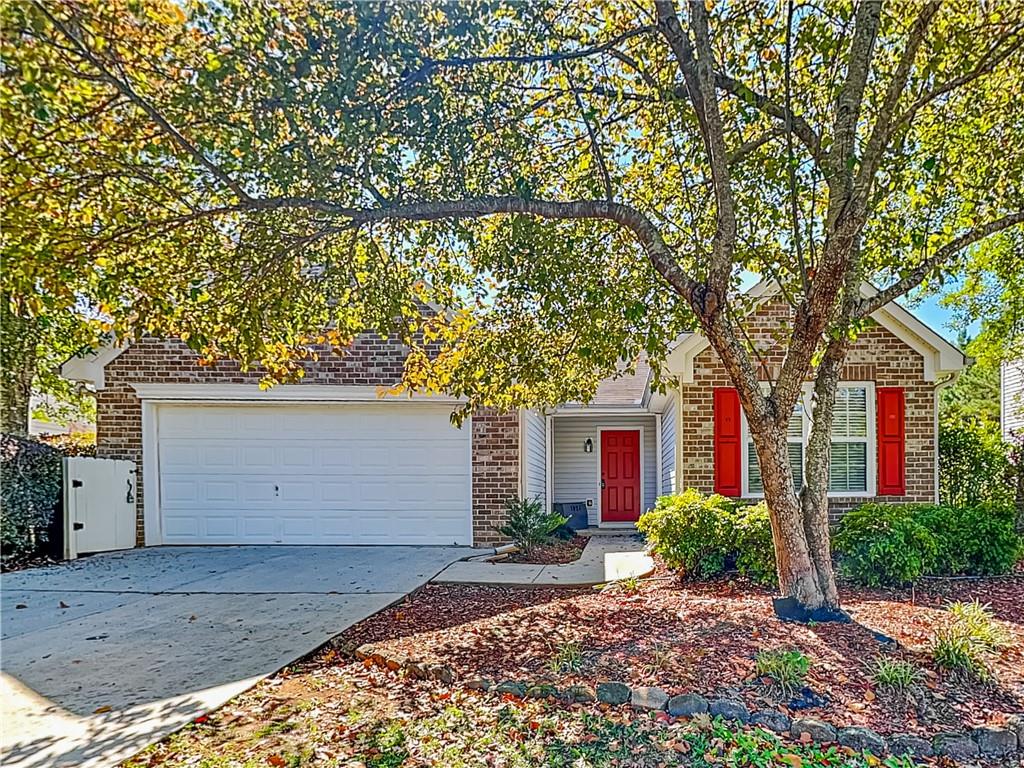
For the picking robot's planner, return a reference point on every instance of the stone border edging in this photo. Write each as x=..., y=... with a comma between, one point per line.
x=959, y=745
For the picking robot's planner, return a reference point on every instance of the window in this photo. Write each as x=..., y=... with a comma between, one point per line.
x=851, y=472
x=848, y=472
x=795, y=437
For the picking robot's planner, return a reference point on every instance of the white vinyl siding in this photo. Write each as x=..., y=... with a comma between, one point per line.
x=535, y=460
x=576, y=476
x=668, y=447
x=1012, y=398
x=848, y=472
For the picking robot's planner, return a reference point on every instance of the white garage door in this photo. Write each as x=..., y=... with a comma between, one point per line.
x=326, y=474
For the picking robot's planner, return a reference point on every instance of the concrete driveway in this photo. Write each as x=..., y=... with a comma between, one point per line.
x=105, y=655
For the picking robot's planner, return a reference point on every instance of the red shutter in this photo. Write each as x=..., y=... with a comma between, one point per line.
x=727, y=441
x=891, y=442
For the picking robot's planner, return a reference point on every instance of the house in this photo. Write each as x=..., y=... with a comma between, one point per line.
x=328, y=461
x=1011, y=398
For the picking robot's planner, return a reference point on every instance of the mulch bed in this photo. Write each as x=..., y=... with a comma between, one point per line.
x=702, y=638
x=556, y=552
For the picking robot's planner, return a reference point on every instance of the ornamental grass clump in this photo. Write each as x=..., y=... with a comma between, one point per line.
x=787, y=669
x=895, y=676
x=965, y=647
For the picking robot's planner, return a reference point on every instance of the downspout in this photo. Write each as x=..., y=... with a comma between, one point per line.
x=941, y=385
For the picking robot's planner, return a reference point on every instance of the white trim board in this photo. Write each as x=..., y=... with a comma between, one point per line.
x=296, y=393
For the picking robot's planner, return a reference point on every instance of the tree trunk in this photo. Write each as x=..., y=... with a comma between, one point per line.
x=814, y=496
x=18, y=335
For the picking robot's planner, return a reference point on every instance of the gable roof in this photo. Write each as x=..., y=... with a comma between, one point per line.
x=940, y=357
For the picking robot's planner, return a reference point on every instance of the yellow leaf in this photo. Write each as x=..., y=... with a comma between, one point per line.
x=790, y=759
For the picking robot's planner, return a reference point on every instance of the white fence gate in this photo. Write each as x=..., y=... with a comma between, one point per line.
x=99, y=505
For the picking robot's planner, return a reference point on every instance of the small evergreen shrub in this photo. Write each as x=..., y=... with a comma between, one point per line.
x=527, y=524
x=689, y=532
x=30, y=484
x=700, y=536
x=753, y=545
x=979, y=623
x=786, y=669
x=975, y=541
x=884, y=545
x=895, y=676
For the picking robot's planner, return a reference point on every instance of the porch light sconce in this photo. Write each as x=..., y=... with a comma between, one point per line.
x=588, y=446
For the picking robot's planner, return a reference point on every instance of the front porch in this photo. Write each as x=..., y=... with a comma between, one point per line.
x=607, y=460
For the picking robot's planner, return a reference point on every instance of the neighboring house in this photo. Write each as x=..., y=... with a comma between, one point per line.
x=328, y=461
x=1011, y=398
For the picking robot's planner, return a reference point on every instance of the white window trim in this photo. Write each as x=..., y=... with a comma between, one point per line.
x=872, y=441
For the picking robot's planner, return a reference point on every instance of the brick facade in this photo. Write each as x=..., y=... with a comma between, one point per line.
x=495, y=472
x=877, y=356
x=370, y=361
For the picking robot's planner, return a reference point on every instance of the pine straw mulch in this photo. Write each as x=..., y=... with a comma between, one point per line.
x=703, y=637
x=554, y=552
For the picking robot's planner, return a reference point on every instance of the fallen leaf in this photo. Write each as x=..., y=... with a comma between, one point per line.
x=64, y=605
x=275, y=760
x=869, y=695
x=101, y=710
x=790, y=759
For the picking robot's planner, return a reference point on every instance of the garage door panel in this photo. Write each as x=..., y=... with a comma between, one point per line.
x=332, y=474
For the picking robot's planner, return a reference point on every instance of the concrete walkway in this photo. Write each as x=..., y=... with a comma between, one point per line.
x=107, y=654
x=605, y=558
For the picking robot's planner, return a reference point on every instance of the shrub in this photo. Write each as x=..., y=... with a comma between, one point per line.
x=895, y=676
x=786, y=669
x=30, y=483
x=73, y=444
x=689, y=532
x=527, y=523
x=753, y=545
x=884, y=544
x=700, y=536
x=976, y=541
x=974, y=462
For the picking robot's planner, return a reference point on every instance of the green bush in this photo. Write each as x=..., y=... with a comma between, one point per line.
x=527, y=524
x=895, y=676
x=884, y=544
x=30, y=485
x=974, y=462
x=753, y=545
x=700, y=536
x=895, y=544
x=974, y=541
x=965, y=647
x=688, y=532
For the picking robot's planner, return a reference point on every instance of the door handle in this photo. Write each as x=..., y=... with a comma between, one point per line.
x=129, y=497
x=602, y=483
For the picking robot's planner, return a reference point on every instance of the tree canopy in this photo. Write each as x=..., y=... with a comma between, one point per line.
x=526, y=193
x=225, y=171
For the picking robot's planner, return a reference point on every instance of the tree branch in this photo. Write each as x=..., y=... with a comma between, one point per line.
x=128, y=92
x=851, y=95
x=536, y=58
x=880, y=134
x=914, y=278
x=988, y=62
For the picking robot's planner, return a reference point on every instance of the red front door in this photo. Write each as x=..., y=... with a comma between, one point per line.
x=620, y=476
